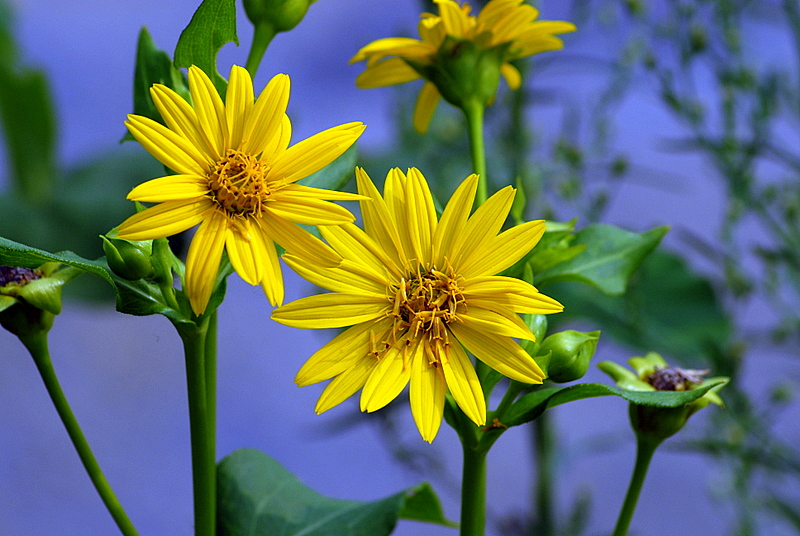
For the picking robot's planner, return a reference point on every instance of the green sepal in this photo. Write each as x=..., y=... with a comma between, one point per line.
x=259, y=497
x=129, y=259
x=569, y=353
x=610, y=257
x=212, y=26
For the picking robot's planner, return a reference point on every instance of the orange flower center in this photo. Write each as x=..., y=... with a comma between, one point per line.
x=238, y=184
x=426, y=302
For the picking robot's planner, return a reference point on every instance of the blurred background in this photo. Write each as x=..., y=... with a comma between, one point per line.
x=679, y=113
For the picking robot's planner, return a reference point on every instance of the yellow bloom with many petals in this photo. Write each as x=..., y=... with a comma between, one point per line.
x=417, y=290
x=507, y=26
x=236, y=177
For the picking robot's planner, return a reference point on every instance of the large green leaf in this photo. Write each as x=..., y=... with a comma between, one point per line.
x=667, y=308
x=212, y=26
x=610, y=256
x=258, y=497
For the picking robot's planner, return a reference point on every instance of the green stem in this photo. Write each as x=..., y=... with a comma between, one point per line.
x=473, y=111
x=544, y=442
x=36, y=343
x=211, y=381
x=201, y=427
x=645, y=448
x=473, y=490
x=262, y=37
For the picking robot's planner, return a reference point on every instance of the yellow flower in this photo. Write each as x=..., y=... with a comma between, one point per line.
x=236, y=178
x=416, y=288
x=509, y=26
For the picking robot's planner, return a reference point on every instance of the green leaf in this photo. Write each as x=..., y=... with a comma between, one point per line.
x=258, y=497
x=153, y=66
x=532, y=405
x=611, y=256
x=667, y=308
x=337, y=174
x=212, y=26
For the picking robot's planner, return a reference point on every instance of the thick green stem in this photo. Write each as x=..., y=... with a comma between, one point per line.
x=645, y=448
x=544, y=441
x=201, y=425
x=473, y=490
x=262, y=37
x=36, y=343
x=473, y=111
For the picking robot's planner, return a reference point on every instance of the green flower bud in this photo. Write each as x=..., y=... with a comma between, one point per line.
x=280, y=15
x=31, y=297
x=129, y=260
x=570, y=352
x=464, y=72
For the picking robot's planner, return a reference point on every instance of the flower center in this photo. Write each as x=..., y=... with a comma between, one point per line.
x=11, y=275
x=238, y=183
x=675, y=379
x=426, y=302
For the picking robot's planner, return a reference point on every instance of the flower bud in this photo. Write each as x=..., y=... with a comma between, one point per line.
x=30, y=298
x=570, y=352
x=280, y=15
x=129, y=260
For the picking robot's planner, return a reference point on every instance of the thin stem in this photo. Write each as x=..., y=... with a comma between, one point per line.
x=645, y=448
x=211, y=381
x=473, y=490
x=201, y=427
x=262, y=37
x=544, y=452
x=473, y=111
x=37, y=346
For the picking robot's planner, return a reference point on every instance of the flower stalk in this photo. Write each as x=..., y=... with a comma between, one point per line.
x=474, y=111
x=473, y=486
x=645, y=448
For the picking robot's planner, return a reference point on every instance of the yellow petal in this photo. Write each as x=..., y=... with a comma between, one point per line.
x=170, y=148
x=209, y=108
x=421, y=215
x=426, y=395
x=498, y=253
x=165, y=219
x=378, y=223
x=510, y=292
x=314, y=153
x=388, y=72
x=332, y=310
x=427, y=101
x=170, y=188
x=202, y=260
x=342, y=352
x=266, y=120
x=501, y=353
x=389, y=377
x=462, y=381
x=348, y=277
x=482, y=226
x=345, y=384
x=180, y=117
x=453, y=18
x=272, y=278
x=298, y=241
x=395, y=193
x=239, y=100
x=307, y=192
x=512, y=75
x=392, y=46
x=309, y=211
x=454, y=220
x=243, y=250
x=495, y=322
x=355, y=245
x=280, y=141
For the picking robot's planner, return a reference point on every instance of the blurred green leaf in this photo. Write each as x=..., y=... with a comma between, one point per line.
x=153, y=66
x=667, y=308
x=257, y=497
x=610, y=256
x=212, y=26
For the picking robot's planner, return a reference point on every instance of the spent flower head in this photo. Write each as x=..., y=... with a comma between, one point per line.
x=236, y=177
x=415, y=288
x=460, y=56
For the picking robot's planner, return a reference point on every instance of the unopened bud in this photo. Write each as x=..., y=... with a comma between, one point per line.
x=129, y=260
x=570, y=352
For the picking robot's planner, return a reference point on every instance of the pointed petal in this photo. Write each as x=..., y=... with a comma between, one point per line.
x=454, y=220
x=239, y=100
x=420, y=215
x=496, y=322
x=334, y=310
x=346, y=384
x=342, y=352
x=512, y=75
x=378, y=223
x=462, y=381
x=209, y=108
x=453, y=18
x=165, y=219
x=501, y=353
x=389, y=377
x=388, y=72
x=180, y=117
x=266, y=120
x=202, y=261
x=170, y=188
x=272, y=278
x=393, y=46
x=307, y=192
x=497, y=254
x=243, y=250
x=278, y=143
x=309, y=211
x=348, y=277
x=355, y=245
x=482, y=226
x=426, y=395
x=509, y=292
x=314, y=153
x=298, y=241
x=427, y=101
x=169, y=148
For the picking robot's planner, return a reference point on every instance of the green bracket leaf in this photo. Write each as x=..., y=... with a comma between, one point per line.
x=212, y=26
x=611, y=256
x=258, y=497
